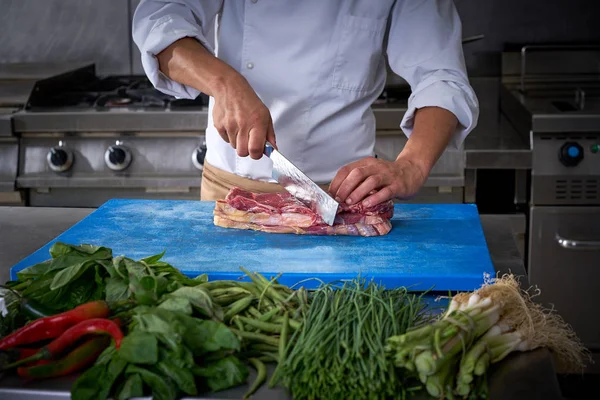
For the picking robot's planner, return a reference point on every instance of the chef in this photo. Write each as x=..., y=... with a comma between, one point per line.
x=303, y=75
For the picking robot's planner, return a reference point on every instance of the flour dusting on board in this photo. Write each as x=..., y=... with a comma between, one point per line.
x=429, y=245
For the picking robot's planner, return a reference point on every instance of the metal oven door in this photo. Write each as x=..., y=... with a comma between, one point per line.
x=564, y=264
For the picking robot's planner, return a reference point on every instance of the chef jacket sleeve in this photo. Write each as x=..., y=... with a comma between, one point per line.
x=425, y=48
x=157, y=24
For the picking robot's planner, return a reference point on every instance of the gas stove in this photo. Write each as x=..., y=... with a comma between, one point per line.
x=551, y=94
x=85, y=139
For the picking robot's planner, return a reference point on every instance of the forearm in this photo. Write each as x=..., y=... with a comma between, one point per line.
x=433, y=130
x=186, y=61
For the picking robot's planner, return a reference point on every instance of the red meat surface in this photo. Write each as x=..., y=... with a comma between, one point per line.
x=283, y=213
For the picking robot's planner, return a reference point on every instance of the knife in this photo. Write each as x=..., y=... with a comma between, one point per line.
x=301, y=186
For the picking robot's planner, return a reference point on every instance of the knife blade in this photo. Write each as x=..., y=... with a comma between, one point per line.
x=301, y=186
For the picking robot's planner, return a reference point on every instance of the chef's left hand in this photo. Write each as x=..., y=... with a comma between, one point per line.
x=389, y=179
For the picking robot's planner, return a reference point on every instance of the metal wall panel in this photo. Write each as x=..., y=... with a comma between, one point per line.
x=67, y=30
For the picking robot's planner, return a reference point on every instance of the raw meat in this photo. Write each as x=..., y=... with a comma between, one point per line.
x=283, y=213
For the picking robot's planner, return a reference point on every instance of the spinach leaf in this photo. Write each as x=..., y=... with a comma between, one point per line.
x=116, y=289
x=177, y=304
x=162, y=389
x=133, y=387
x=139, y=348
x=201, y=299
x=118, y=268
x=153, y=259
x=181, y=376
x=207, y=336
x=223, y=374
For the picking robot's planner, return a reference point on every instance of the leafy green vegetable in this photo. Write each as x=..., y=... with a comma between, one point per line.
x=208, y=336
x=153, y=259
x=133, y=387
x=181, y=376
x=177, y=304
x=116, y=289
x=162, y=389
x=222, y=374
x=201, y=299
x=139, y=348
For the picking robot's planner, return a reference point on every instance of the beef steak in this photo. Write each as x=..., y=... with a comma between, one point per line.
x=283, y=213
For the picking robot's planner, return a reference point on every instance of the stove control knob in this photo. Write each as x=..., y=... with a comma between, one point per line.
x=117, y=157
x=571, y=154
x=59, y=159
x=198, y=157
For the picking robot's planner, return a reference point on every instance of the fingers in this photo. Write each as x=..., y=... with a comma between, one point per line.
x=256, y=143
x=353, y=180
x=370, y=184
x=384, y=194
x=341, y=175
x=241, y=146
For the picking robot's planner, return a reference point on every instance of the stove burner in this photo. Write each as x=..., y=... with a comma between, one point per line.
x=109, y=93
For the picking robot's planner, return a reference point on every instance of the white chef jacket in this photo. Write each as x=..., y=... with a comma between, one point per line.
x=317, y=65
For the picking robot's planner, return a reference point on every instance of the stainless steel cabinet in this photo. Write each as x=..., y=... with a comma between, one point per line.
x=564, y=263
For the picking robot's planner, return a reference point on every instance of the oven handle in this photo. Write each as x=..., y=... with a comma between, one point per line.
x=577, y=244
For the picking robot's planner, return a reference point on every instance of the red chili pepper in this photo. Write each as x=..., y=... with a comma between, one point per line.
x=26, y=352
x=80, y=357
x=53, y=326
x=92, y=326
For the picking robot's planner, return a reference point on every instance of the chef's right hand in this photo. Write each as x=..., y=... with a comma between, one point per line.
x=242, y=119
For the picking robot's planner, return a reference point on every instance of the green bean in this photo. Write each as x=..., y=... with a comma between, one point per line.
x=269, y=314
x=228, y=299
x=229, y=290
x=261, y=376
x=256, y=337
x=267, y=348
x=239, y=306
x=295, y=325
x=218, y=284
x=238, y=323
x=254, y=312
x=263, y=326
x=283, y=341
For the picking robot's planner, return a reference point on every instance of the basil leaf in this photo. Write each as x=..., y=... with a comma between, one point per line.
x=106, y=356
x=139, y=348
x=87, y=386
x=35, y=270
x=162, y=389
x=69, y=274
x=116, y=289
x=133, y=387
x=143, y=289
x=153, y=259
x=100, y=289
x=135, y=268
x=181, y=376
x=223, y=374
x=111, y=375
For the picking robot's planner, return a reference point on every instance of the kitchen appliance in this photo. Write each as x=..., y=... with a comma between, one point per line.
x=85, y=139
x=437, y=244
x=301, y=186
x=551, y=94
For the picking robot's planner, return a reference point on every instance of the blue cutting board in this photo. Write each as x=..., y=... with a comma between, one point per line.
x=439, y=246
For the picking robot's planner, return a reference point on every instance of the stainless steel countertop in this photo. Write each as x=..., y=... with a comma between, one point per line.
x=25, y=229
